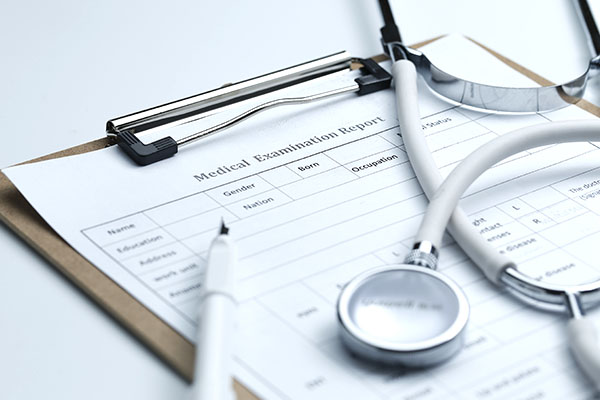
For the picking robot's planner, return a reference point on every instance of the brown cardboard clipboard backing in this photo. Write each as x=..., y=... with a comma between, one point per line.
x=167, y=343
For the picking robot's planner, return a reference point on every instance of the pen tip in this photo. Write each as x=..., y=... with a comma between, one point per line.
x=224, y=229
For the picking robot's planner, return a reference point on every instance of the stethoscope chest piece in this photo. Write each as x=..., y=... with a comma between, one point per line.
x=403, y=314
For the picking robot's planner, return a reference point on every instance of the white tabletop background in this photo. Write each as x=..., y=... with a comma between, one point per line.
x=67, y=66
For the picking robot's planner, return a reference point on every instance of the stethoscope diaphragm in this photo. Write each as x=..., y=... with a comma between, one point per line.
x=403, y=314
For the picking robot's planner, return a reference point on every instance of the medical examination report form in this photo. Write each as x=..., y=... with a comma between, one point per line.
x=315, y=195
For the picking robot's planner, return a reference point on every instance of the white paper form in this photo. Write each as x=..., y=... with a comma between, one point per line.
x=315, y=198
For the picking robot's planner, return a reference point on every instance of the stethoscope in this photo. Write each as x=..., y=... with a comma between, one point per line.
x=412, y=315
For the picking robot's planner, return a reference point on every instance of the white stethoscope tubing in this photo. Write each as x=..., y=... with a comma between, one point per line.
x=583, y=337
x=489, y=260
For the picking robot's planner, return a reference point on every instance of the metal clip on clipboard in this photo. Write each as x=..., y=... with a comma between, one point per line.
x=124, y=130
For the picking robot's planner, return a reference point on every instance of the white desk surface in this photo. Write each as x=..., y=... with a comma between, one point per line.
x=68, y=66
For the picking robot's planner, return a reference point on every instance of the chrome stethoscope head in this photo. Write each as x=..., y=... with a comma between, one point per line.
x=403, y=314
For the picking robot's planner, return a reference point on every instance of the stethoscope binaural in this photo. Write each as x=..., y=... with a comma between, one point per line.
x=410, y=314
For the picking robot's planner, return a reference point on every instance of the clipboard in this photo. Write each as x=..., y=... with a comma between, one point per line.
x=163, y=340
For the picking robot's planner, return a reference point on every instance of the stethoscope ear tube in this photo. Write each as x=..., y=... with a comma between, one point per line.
x=583, y=339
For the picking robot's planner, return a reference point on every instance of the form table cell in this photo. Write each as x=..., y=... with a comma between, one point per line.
x=239, y=190
x=564, y=211
x=208, y=221
x=181, y=209
x=182, y=292
x=280, y=176
x=174, y=273
x=120, y=229
x=318, y=183
x=573, y=230
x=139, y=244
x=543, y=197
x=157, y=258
x=443, y=121
x=537, y=221
x=312, y=165
x=453, y=136
x=377, y=162
x=516, y=208
x=359, y=149
x=259, y=203
x=303, y=309
x=559, y=267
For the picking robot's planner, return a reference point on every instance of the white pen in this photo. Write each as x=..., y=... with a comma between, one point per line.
x=212, y=373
